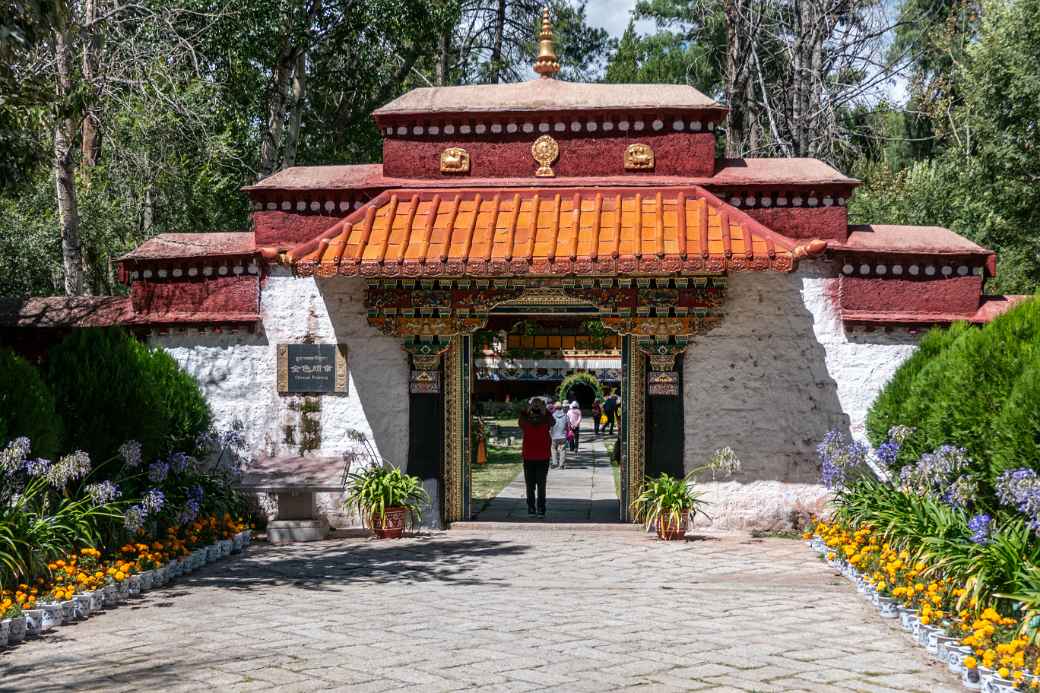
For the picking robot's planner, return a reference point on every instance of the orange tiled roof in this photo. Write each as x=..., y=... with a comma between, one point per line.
x=504, y=232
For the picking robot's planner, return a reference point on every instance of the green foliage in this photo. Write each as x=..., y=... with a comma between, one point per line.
x=379, y=488
x=575, y=379
x=110, y=388
x=1016, y=430
x=665, y=497
x=27, y=406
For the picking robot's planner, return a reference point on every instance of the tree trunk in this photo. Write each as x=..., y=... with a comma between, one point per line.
x=91, y=145
x=64, y=172
x=499, y=37
x=299, y=93
x=443, y=56
x=276, y=105
x=739, y=36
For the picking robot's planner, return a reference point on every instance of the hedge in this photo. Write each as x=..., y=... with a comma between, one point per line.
x=27, y=406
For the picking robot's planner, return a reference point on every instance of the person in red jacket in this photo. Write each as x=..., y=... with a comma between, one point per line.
x=535, y=422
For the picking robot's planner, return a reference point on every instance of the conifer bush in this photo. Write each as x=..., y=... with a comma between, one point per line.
x=110, y=388
x=27, y=405
x=1016, y=431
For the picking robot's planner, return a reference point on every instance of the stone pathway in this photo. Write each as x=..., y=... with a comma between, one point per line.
x=502, y=610
x=581, y=492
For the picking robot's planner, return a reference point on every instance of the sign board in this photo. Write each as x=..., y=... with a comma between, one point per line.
x=312, y=368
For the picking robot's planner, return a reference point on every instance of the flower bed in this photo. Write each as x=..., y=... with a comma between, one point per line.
x=86, y=582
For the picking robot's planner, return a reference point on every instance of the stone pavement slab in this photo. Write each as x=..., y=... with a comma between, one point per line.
x=502, y=609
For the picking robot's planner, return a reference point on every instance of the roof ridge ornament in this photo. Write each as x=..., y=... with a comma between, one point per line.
x=546, y=64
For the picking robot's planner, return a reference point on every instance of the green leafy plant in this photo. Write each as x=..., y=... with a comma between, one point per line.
x=27, y=405
x=667, y=497
x=579, y=379
x=381, y=487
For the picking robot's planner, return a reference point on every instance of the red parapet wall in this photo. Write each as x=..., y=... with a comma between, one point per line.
x=286, y=229
x=948, y=295
x=675, y=153
x=231, y=295
x=804, y=222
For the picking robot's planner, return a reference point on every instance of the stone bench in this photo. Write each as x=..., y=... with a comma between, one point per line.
x=294, y=481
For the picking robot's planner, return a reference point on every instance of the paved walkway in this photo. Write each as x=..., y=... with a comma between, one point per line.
x=516, y=610
x=581, y=492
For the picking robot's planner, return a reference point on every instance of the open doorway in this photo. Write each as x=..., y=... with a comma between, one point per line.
x=559, y=359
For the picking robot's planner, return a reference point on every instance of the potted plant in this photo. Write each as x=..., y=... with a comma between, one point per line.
x=667, y=502
x=386, y=498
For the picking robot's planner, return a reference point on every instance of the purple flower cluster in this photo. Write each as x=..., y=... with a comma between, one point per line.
x=888, y=452
x=192, y=506
x=153, y=500
x=935, y=471
x=838, y=457
x=981, y=527
x=158, y=471
x=12, y=457
x=133, y=518
x=38, y=467
x=1020, y=488
x=103, y=492
x=130, y=451
x=69, y=468
x=179, y=462
x=962, y=492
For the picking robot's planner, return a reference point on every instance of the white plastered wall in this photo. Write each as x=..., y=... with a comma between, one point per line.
x=777, y=374
x=238, y=372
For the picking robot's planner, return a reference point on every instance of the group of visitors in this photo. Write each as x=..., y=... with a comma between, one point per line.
x=550, y=431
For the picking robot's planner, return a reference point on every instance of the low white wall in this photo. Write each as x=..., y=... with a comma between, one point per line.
x=770, y=381
x=238, y=372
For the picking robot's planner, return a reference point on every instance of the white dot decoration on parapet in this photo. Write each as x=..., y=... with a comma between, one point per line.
x=544, y=127
x=623, y=126
x=678, y=125
x=980, y=271
x=435, y=130
x=575, y=126
x=963, y=270
x=657, y=124
x=897, y=269
x=591, y=126
x=272, y=206
x=402, y=130
x=781, y=201
x=841, y=201
x=767, y=201
x=608, y=125
x=222, y=270
x=881, y=269
x=711, y=125
x=696, y=125
x=253, y=267
x=238, y=269
x=207, y=271
x=162, y=274
x=638, y=125
x=417, y=129
x=301, y=205
x=864, y=268
x=796, y=201
x=848, y=269
x=749, y=200
x=177, y=271
x=193, y=271
x=286, y=205
x=496, y=128
x=330, y=206
x=947, y=270
x=735, y=201
x=528, y=127
x=559, y=126
x=147, y=274
x=357, y=204
x=315, y=206
x=344, y=205
x=480, y=129
x=449, y=129
x=828, y=201
x=464, y=128
x=813, y=201
x=929, y=270
x=914, y=270
x=511, y=128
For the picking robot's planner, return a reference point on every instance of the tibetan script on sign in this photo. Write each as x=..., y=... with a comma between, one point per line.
x=312, y=368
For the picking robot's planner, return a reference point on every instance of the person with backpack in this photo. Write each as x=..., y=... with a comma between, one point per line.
x=597, y=414
x=610, y=407
x=536, y=423
x=560, y=427
x=574, y=419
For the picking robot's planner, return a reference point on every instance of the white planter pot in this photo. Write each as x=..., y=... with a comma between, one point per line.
x=84, y=602
x=225, y=547
x=888, y=607
x=110, y=594
x=51, y=615
x=147, y=580
x=212, y=553
x=17, y=633
x=971, y=679
x=68, y=611
x=5, y=632
x=999, y=685
x=906, y=618
x=122, y=591
x=955, y=655
x=931, y=642
x=237, y=543
x=247, y=537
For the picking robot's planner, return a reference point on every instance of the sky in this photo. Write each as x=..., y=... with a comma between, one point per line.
x=613, y=16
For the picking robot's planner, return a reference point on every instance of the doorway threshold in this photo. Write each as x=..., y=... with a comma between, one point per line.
x=546, y=526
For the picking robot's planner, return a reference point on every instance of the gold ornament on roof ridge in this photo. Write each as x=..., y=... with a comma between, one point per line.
x=547, y=64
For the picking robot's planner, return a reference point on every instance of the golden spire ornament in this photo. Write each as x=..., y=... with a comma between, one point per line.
x=546, y=65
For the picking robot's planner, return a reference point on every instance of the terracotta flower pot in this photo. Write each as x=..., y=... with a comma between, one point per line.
x=670, y=530
x=391, y=525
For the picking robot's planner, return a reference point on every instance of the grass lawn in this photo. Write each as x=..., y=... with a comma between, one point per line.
x=489, y=479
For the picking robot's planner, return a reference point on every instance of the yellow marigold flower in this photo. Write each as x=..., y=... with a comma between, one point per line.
x=970, y=662
x=1003, y=672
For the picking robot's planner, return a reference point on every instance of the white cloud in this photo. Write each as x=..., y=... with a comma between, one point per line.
x=613, y=15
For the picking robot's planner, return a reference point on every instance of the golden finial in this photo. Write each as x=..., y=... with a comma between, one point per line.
x=546, y=65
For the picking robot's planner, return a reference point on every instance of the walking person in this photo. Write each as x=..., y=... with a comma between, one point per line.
x=597, y=414
x=610, y=407
x=559, y=436
x=574, y=418
x=536, y=423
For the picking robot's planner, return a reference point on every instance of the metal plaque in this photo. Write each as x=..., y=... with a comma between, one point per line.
x=312, y=368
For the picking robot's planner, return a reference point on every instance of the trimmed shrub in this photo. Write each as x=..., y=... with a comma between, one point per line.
x=582, y=378
x=888, y=409
x=111, y=388
x=27, y=406
x=1017, y=430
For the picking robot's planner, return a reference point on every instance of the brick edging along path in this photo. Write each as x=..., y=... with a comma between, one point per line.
x=497, y=609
